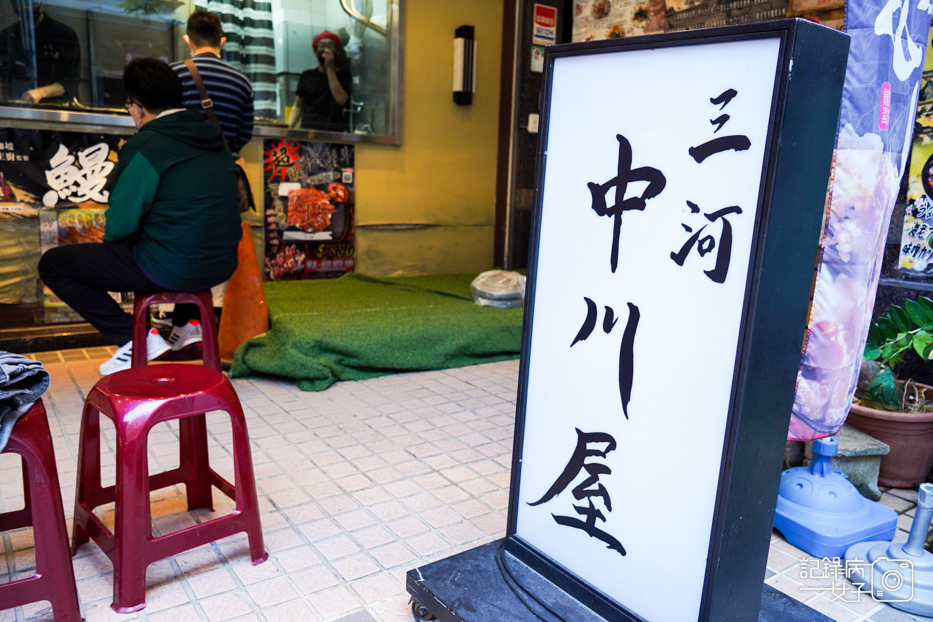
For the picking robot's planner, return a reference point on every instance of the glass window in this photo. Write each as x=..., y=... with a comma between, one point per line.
x=57, y=55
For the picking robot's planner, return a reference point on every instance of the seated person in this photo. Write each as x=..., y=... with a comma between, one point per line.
x=57, y=58
x=173, y=222
x=323, y=93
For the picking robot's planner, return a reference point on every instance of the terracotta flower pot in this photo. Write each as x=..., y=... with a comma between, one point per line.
x=910, y=436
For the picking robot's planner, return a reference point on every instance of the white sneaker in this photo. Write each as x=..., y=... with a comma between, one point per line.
x=184, y=336
x=123, y=357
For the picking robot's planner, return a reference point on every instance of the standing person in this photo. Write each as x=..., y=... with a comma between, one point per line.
x=51, y=45
x=172, y=223
x=230, y=91
x=231, y=95
x=323, y=93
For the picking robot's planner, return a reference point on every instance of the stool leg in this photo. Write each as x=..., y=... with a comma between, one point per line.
x=51, y=539
x=132, y=520
x=195, y=461
x=247, y=501
x=27, y=492
x=88, y=488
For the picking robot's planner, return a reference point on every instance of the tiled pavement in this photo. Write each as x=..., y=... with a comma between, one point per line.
x=357, y=484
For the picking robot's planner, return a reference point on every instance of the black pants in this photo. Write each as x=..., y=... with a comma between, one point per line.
x=82, y=274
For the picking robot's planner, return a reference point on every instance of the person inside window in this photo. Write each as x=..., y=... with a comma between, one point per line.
x=323, y=93
x=39, y=57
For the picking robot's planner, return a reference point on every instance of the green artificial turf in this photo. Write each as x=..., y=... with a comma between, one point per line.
x=358, y=327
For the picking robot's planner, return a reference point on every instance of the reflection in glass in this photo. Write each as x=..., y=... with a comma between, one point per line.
x=40, y=56
x=323, y=93
x=363, y=39
x=70, y=54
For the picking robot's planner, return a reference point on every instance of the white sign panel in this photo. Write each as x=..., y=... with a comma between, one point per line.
x=650, y=196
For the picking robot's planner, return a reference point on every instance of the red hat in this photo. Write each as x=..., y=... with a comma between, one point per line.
x=326, y=35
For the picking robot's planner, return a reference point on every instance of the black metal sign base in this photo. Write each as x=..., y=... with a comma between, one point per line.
x=479, y=585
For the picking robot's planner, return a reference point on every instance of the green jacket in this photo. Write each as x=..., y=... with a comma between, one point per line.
x=175, y=199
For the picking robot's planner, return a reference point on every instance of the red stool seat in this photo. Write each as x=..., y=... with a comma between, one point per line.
x=141, y=324
x=54, y=579
x=135, y=400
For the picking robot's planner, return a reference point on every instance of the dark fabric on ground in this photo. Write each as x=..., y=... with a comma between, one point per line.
x=359, y=327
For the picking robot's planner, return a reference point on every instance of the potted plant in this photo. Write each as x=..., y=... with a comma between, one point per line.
x=898, y=412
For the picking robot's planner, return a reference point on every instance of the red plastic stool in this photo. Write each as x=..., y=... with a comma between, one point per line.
x=141, y=325
x=54, y=579
x=192, y=431
x=137, y=399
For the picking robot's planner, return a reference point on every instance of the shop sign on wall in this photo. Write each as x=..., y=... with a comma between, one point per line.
x=309, y=206
x=545, y=25
x=628, y=380
x=53, y=183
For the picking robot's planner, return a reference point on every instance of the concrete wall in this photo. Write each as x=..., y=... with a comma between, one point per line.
x=428, y=206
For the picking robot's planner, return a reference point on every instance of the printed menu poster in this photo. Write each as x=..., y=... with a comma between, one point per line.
x=51, y=194
x=309, y=204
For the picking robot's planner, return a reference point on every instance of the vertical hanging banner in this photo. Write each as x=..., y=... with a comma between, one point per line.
x=51, y=194
x=916, y=249
x=658, y=367
x=309, y=205
x=876, y=124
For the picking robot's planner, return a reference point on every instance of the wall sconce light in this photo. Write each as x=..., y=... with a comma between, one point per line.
x=464, y=66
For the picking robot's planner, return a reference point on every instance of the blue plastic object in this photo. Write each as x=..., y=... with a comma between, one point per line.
x=822, y=513
x=898, y=573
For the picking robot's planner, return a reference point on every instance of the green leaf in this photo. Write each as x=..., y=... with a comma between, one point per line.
x=927, y=305
x=872, y=354
x=921, y=342
x=890, y=350
x=874, y=337
x=887, y=328
x=927, y=350
x=915, y=312
x=900, y=318
x=882, y=391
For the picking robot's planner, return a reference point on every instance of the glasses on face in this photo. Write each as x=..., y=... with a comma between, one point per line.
x=129, y=103
x=325, y=44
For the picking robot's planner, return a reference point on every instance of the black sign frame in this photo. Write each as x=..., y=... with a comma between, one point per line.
x=796, y=169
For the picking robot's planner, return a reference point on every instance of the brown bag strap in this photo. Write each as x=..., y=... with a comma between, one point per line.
x=206, y=102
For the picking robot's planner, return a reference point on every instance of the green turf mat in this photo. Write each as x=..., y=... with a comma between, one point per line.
x=358, y=327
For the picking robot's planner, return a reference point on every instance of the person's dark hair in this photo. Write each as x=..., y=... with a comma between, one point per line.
x=152, y=84
x=204, y=29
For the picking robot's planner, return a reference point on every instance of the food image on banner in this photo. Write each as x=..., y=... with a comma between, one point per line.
x=594, y=20
x=51, y=194
x=916, y=252
x=309, y=206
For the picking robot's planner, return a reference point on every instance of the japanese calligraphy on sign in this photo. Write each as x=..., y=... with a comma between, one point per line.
x=633, y=343
x=78, y=181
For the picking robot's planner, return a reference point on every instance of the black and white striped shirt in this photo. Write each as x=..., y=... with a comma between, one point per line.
x=230, y=91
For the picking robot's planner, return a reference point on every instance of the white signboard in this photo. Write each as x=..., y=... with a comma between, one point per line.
x=650, y=197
